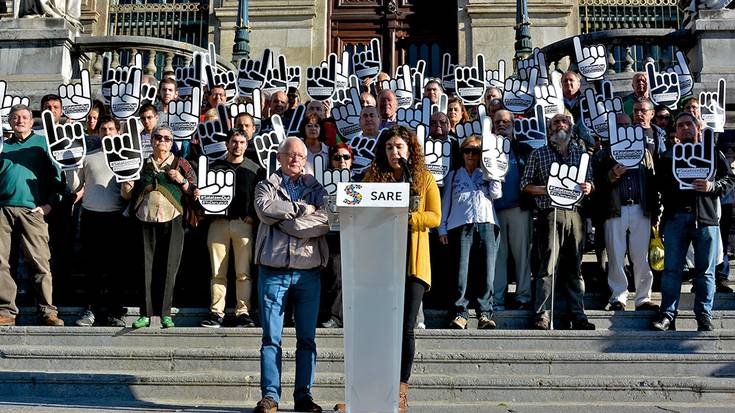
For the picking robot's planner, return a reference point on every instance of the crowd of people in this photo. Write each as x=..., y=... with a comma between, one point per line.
x=276, y=229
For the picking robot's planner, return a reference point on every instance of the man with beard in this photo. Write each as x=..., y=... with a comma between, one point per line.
x=514, y=217
x=559, y=235
x=690, y=217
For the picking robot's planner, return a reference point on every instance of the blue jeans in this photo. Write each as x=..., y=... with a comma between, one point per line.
x=485, y=236
x=273, y=285
x=679, y=232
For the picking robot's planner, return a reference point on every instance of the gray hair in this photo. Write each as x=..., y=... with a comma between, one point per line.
x=282, y=145
x=17, y=108
x=158, y=129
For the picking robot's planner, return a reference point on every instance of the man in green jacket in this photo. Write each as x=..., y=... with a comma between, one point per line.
x=30, y=185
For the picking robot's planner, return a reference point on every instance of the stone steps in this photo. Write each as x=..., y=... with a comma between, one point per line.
x=429, y=361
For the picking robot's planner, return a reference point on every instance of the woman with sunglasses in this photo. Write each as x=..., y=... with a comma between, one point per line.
x=157, y=201
x=394, y=144
x=469, y=220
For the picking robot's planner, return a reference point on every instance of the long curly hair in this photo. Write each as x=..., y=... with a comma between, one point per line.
x=381, y=171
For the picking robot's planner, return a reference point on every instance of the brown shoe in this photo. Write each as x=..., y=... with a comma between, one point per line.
x=459, y=322
x=340, y=407
x=266, y=405
x=53, y=321
x=403, y=398
x=541, y=323
x=7, y=321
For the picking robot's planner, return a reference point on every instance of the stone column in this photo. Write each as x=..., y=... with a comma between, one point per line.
x=712, y=55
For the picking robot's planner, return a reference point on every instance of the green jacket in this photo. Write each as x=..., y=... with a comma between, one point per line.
x=28, y=176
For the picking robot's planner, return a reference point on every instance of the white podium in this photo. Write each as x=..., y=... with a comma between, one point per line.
x=373, y=236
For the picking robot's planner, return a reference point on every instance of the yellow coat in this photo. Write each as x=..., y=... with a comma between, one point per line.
x=428, y=215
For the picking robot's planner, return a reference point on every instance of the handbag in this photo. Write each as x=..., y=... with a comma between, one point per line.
x=193, y=212
x=656, y=251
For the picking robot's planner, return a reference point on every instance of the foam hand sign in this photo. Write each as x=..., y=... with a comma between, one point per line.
x=190, y=77
x=216, y=188
x=694, y=161
x=448, y=69
x=183, y=115
x=125, y=96
x=564, y=182
x=367, y=64
x=681, y=68
x=594, y=109
x=663, y=87
x=496, y=78
x=537, y=61
x=437, y=154
x=254, y=109
x=66, y=143
x=213, y=135
x=148, y=94
x=627, y=144
x=252, y=73
x=495, y=151
x=712, y=105
x=120, y=74
x=470, y=81
x=531, y=131
x=123, y=153
x=296, y=118
x=293, y=76
x=402, y=87
x=266, y=145
x=277, y=79
x=321, y=80
x=363, y=148
x=347, y=115
x=76, y=99
x=412, y=118
x=329, y=178
x=8, y=101
x=222, y=78
x=518, y=94
x=550, y=96
x=591, y=60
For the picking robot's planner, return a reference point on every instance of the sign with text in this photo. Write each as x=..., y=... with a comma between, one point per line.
x=382, y=195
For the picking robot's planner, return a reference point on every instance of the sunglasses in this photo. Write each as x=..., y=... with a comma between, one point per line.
x=338, y=158
x=471, y=151
x=162, y=138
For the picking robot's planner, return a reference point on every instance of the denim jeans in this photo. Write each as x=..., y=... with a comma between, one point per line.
x=485, y=236
x=679, y=232
x=273, y=285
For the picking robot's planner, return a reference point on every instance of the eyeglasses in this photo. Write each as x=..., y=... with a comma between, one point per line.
x=471, y=151
x=162, y=138
x=293, y=155
x=641, y=110
x=338, y=158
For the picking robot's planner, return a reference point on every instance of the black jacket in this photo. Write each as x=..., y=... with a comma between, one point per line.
x=247, y=175
x=607, y=190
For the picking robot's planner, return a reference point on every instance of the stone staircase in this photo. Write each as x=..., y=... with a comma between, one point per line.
x=620, y=367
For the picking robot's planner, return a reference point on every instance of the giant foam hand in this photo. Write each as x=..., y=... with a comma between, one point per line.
x=123, y=153
x=495, y=151
x=627, y=143
x=663, y=87
x=564, y=182
x=713, y=107
x=183, y=115
x=216, y=188
x=518, y=93
x=329, y=178
x=694, y=161
x=76, y=99
x=532, y=130
x=66, y=143
x=591, y=60
x=266, y=145
x=470, y=81
x=595, y=108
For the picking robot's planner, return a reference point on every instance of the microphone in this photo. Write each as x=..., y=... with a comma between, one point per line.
x=406, y=170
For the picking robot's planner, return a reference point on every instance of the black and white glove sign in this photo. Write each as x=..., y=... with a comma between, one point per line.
x=681, y=68
x=470, y=81
x=328, y=177
x=712, y=106
x=347, y=115
x=213, y=135
x=266, y=145
x=694, y=161
x=66, y=143
x=120, y=74
x=564, y=182
x=123, y=153
x=8, y=101
x=216, y=188
x=253, y=73
x=495, y=152
x=448, y=69
x=437, y=154
x=76, y=99
x=532, y=130
x=189, y=77
x=496, y=78
x=254, y=109
x=550, y=96
x=183, y=115
x=518, y=94
x=663, y=87
x=594, y=108
x=402, y=87
x=321, y=81
x=627, y=143
x=125, y=96
x=367, y=64
x=591, y=60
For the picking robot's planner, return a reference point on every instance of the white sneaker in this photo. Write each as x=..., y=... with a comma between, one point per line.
x=87, y=319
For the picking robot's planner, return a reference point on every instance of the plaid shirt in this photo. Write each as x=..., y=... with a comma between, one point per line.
x=539, y=163
x=294, y=189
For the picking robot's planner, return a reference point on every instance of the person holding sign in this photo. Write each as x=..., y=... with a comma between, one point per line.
x=157, y=201
x=400, y=158
x=31, y=185
x=628, y=199
x=691, y=177
x=233, y=233
x=559, y=233
x=291, y=249
x=468, y=219
x=643, y=111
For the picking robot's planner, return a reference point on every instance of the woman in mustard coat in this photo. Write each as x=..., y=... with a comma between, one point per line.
x=393, y=144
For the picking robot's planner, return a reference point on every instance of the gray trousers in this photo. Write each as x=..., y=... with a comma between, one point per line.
x=514, y=243
x=33, y=233
x=558, y=245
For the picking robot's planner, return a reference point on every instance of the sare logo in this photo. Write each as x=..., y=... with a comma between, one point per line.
x=355, y=196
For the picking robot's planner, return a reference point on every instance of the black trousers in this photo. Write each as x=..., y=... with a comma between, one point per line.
x=162, y=246
x=415, y=289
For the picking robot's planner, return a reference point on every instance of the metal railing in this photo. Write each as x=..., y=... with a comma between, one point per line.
x=181, y=20
x=600, y=15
